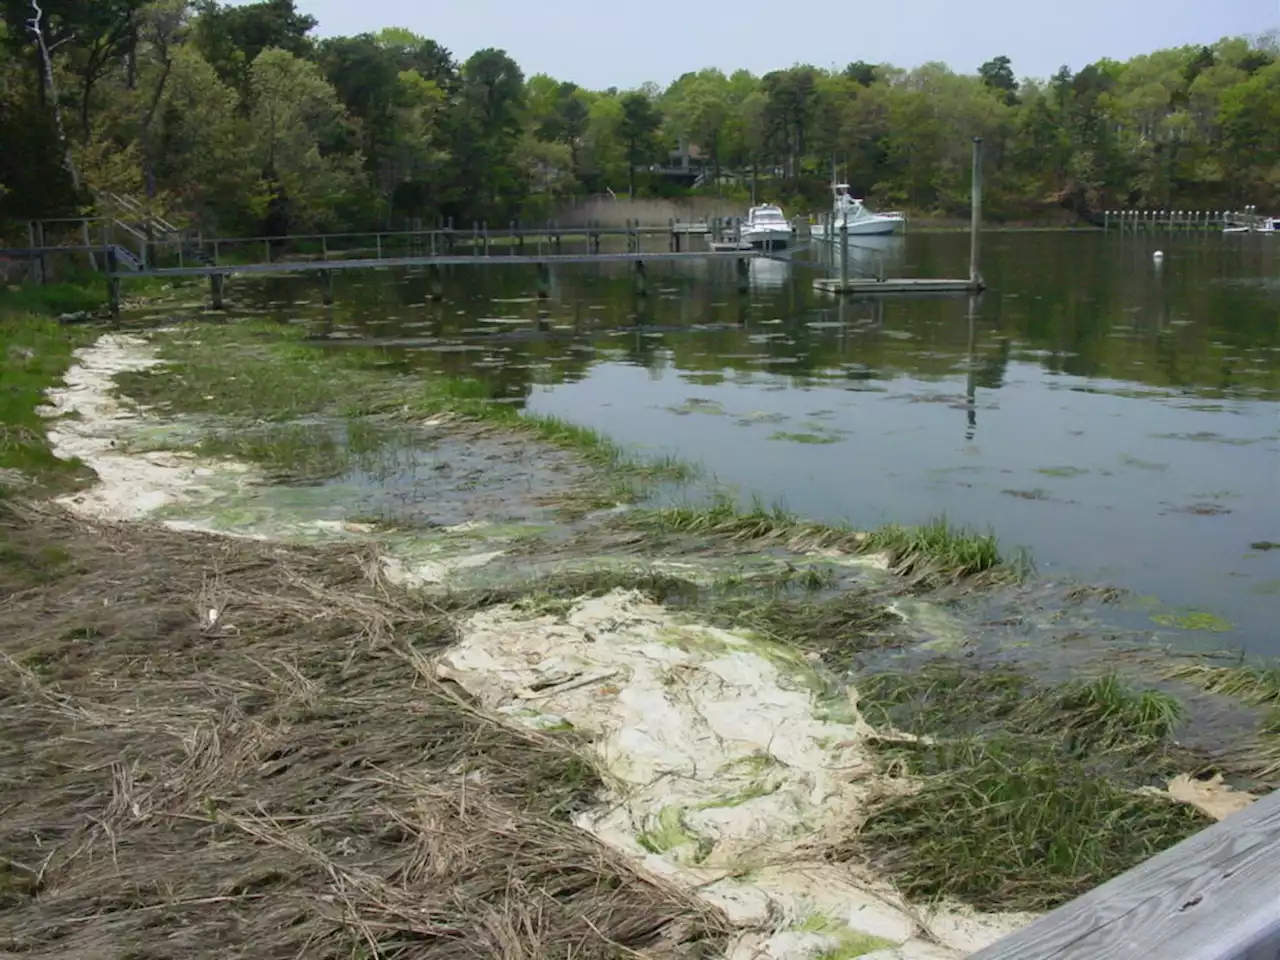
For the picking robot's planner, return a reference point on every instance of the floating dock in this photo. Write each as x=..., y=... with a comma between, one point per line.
x=869, y=285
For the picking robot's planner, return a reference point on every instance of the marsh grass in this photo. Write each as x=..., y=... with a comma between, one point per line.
x=930, y=555
x=1022, y=796
x=999, y=824
x=1108, y=714
x=291, y=781
x=555, y=593
x=838, y=628
x=1253, y=684
x=937, y=552
x=34, y=354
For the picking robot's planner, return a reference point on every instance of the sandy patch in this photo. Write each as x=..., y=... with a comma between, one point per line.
x=89, y=422
x=725, y=766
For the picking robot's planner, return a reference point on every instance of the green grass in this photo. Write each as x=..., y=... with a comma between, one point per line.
x=1252, y=684
x=838, y=628
x=82, y=296
x=1000, y=825
x=34, y=354
x=933, y=554
x=936, y=551
x=1023, y=795
x=1108, y=714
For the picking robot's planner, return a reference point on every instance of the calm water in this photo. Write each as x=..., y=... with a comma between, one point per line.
x=1116, y=416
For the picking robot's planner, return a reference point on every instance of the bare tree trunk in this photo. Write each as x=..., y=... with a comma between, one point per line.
x=36, y=25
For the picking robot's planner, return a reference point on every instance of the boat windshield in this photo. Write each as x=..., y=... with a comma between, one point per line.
x=767, y=215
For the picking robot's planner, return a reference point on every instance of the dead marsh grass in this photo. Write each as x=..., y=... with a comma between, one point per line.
x=224, y=748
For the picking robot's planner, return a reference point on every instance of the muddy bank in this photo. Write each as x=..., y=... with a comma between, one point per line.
x=700, y=661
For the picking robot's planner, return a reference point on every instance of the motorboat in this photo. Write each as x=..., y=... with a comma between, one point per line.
x=766, y=227
x=1250, y=221
x=850, y=215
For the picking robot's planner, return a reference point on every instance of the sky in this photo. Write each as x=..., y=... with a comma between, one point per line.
x=608, y=43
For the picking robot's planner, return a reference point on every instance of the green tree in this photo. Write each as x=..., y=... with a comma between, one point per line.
x=641, y=120
x=231, y=37
x=997, y=74
x=293, y=112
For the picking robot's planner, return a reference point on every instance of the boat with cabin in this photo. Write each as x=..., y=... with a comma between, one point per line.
x=766, y=227
x=850, y=214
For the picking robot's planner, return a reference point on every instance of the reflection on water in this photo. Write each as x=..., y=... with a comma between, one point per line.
x=1117, y=417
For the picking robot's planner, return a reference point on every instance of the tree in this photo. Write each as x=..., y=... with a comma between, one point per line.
x=487, y=130
x=997, y=74
x=231, y=37
x=639, y=127
x=1250, y=120
x=293, y=112
x=863, y=74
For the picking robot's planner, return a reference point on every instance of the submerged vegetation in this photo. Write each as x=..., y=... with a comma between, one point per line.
x=272, y=386
x=1023, y=796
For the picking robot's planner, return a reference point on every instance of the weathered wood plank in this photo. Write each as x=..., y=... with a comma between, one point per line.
x=1215, y=896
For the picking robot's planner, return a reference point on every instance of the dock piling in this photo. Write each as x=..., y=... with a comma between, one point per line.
x=975, y=219
x=326, y=276
x=217, y=284
x=544, y=280
x=641, y=279
x=744, y=275
x=435, y=281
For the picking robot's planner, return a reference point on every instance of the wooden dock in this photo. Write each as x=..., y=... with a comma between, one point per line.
x=1215, y=896
x=861, y=286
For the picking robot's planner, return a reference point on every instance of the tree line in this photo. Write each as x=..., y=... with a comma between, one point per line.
x=241, y=119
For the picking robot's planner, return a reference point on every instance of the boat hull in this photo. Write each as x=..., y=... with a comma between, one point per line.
x=878, y=227
x=767, y=239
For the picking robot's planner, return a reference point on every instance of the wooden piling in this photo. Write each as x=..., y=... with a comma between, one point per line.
x=217, y=283
x=435, y=282
x=641, y=279
x=743, y=270
x=544, y=280
x=326, y=276
x=975, y=217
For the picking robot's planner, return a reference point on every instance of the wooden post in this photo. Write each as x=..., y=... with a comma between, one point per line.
x=544, y=281
x=84, y=233
x=216, y=288
x=975, y=222
x=844, y=256
x=266, y=249
x=743, y=270
x=326, y=276
x=378, y=239
x=641, y=279
x=44, y=264
x=485, y=231
x=113, y=282
x=435, y=281
x=1106, y=220
x=559, y=236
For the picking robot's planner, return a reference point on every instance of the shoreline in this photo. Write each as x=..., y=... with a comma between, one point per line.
x=576, y=638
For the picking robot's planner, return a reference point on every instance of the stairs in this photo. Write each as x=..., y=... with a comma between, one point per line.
x=153, y=237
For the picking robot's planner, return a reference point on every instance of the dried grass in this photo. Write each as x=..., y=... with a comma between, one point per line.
x=221, y=748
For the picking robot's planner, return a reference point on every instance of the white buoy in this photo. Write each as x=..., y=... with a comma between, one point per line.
x=1158, y=255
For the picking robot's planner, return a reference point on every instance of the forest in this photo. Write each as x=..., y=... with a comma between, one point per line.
x=241, y=119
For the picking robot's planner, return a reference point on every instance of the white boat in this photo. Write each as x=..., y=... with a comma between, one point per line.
x=850, y=214
x=766, y=227
x=1250, y=221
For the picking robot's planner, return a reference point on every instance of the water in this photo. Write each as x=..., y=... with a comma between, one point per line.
x=1114, y=415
